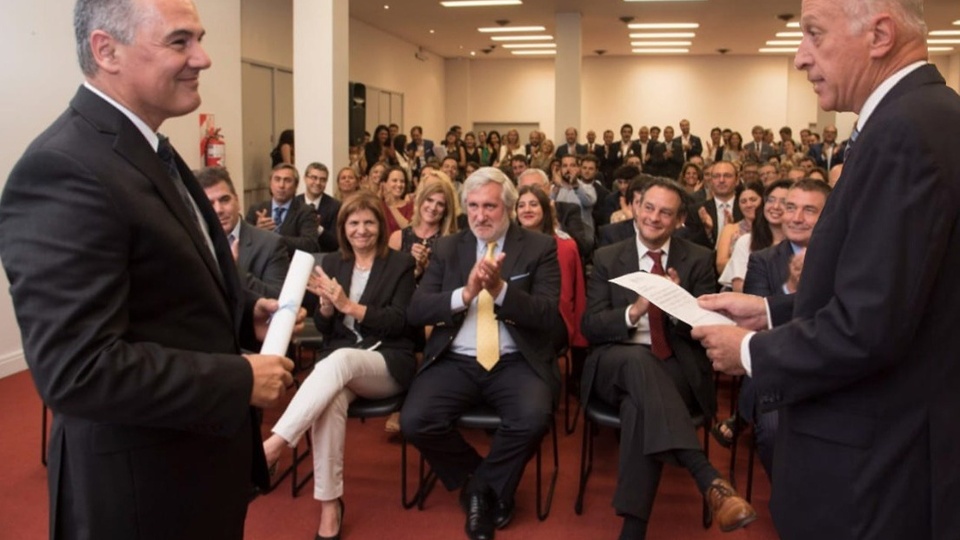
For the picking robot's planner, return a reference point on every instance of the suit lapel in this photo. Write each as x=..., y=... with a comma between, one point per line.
x=379, y=263
x=466, y=255
x=511, y=248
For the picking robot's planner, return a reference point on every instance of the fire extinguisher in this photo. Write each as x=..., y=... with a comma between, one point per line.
x=214, y=149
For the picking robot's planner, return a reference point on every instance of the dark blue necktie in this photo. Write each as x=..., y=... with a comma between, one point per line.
x=853, y=139
x=278, y=213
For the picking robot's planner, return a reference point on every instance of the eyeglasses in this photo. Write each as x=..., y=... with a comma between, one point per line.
x=315, y=177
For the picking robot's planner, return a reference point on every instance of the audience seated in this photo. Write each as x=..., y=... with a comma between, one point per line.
x=347, y=185
x=569, y=188
x=435, y=215
x=260, y=255
x=367, y=347
x=707, y=219
x=568, y=214
x=283, y=214
x=396, y=208
x=616, y=206
x=748, y=201
x=774, y=271
x=315, y=183
x=691, y=178
x=491, y=293
x=649, y=368
x=765, y=232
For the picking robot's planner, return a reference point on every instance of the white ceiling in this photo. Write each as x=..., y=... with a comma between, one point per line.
x=741, y=26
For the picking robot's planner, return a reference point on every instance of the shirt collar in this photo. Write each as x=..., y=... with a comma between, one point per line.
x=148, y=133
x=285, y=206
x=236, y=229
x=642, y=250
x=882, y=90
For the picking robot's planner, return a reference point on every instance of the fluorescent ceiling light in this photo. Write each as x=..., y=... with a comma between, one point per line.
x=521, y=38
x=664, y=0
x=778, y=50
x=956, y=22
x=499, y=29
x=789, y=34
x=943, y=42
x=663, y=26
x=939, y=49
x=479, y=3
x=662, y=35
x=795, y=24
x=660, y=44
x=529, y=45
x=782, y=42
x=945, y=33
x=531, y=53
x=660, y=51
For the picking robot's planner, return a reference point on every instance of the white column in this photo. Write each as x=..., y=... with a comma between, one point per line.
x=321, y=71
x=567, y=73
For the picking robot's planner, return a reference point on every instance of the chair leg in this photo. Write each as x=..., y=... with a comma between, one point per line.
x=543, y=509
x=568, y=425
x=43, y=437
x=296, y=484
x=750, y=458
x=407, y=504
x=586, y=463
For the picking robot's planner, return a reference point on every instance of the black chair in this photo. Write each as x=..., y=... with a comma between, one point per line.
x=599, y=414
x=570, y=389
x=485, y=418
x=43, y=435
x=363, y=408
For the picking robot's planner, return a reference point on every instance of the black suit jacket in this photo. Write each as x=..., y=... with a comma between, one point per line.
x=611, y=233
x=571, y=222
x=562, y=150
x=768, y=269
x=386, y=297
x=262, y=260
x=695, y=226
x=816, y=153
x=530, y=308
x=132, y=330
x=327, y=212
x=866, y=372
x=757, y=152
x=299, y=228
x=604, y=321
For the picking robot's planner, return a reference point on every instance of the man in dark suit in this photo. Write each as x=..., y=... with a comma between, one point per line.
x=649, y=367
x=828, y=153
x=284, y=214
x=690, y=144
x=706, y=220
x=608, y=158
x=260, y=255
x=673, y=154
x=421, y=150
x=756, y=150
x=128, y=302
x=519, y=279
x=572, y=147
x=314, y=196
x=775, y=271
x=592, y=146
x=862, y=360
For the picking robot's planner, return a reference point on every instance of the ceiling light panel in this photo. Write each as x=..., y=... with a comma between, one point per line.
x=534, y=53
x=505, y=29
x=663, y=26
x=662, y=35
x=660, y=51
x=661, y=43
x=480, y=3
x=521, y=38
x=529, y=45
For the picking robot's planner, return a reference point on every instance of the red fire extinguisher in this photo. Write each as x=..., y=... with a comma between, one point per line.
x=214, y=149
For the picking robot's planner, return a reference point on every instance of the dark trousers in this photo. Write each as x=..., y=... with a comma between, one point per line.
x=764, y=424
x=454, y=384
x=655, y=402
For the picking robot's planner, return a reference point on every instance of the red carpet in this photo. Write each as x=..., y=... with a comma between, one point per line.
x=372, y=482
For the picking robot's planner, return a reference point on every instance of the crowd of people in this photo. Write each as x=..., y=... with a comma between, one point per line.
x=406, y=264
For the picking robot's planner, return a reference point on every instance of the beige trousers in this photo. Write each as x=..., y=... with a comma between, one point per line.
x=321, y=406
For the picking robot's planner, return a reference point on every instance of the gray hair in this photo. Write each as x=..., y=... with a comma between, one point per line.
x=119, y=18
x=486, y=175
x=908, y=12
x=541, y=176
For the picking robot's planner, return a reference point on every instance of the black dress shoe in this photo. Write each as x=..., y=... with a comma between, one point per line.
x=479, y=525
x=339, y=525
x=503, y=513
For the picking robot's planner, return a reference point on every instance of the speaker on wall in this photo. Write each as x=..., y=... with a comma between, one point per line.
x=358, y=112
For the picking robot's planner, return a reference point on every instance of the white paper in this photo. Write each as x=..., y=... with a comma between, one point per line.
x=671, y=298
x=291, y=296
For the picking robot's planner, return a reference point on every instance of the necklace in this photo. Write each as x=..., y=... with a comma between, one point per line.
x=357, y=266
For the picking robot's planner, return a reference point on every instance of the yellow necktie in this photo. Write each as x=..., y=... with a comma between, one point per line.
x=488, y=331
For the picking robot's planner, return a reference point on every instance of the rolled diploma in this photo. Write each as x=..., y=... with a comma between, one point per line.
x=291, y=296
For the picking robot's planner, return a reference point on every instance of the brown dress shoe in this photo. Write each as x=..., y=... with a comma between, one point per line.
x=730, y=511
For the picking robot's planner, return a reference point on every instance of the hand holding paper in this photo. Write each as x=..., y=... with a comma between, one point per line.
x=670, y=297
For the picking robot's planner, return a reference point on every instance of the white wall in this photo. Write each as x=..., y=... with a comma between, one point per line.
x=735, y=92
x=384, y=61
x=267, y=32
x=43, y=76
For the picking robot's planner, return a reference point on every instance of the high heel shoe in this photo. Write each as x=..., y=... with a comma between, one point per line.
x=339, y=526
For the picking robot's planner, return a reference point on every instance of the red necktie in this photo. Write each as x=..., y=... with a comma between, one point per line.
x=658, y=334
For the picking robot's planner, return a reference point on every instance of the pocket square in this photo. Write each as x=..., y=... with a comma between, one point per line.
x=521, y=276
